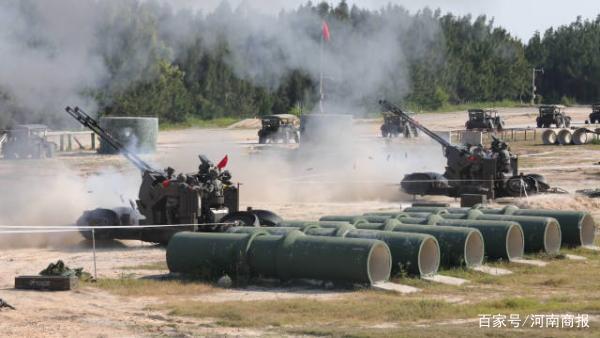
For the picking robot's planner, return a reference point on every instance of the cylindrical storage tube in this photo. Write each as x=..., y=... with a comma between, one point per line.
x=431, y=210
x=414, y=253
x=279, y=231
x=458, y=246
x=376, y=226
x=503, y=240
x=565, y=137
x=549, y=136
x=417, y=254
x=353, y=260
x=137, y=134
x=377, y=219
x=582, y=136
x=340, y=231
x=577, y=227
x=354, y=220
x=301, y=224
x=540, y=233
x=293, y=255
x=209, y=254
x=392, y=214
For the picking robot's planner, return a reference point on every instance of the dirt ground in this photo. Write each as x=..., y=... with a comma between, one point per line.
x=360, y=176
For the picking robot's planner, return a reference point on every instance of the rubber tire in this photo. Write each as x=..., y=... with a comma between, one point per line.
x=246, y=218
x=267, y=218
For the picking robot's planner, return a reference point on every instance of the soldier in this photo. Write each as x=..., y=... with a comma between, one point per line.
x=502, y=156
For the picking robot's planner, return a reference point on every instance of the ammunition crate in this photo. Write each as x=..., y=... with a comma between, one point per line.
x=46, y=283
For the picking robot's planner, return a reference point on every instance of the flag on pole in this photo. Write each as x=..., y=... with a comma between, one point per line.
x=325, y=31
x=223, y=162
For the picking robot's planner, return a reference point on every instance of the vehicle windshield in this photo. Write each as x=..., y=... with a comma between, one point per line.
x=270, y=122
x=547, y=110
x=476, y=115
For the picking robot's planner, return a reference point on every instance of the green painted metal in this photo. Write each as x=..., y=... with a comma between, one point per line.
x=503, y=239
x=458, y=246
x=322, y=224
x=417, y=254
x=294, y=255
x=354, y=220
x=499, y=236
x=577, y=227
x=541, y=234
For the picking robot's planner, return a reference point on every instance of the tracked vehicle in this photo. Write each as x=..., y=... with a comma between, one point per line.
x=206, y=200
x=471, y=170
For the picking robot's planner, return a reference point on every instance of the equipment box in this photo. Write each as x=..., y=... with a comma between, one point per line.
x=46, y=283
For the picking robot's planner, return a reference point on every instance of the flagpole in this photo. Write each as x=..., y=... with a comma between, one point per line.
x=321, y=75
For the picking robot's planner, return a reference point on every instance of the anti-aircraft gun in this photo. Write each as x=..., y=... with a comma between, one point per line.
x=470, y=170
x=202, y=201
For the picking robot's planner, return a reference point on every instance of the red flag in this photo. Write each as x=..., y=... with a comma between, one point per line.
x=223, y=163
x=325, y=31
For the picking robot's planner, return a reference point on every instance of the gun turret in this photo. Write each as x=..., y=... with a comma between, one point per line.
x=87, y=121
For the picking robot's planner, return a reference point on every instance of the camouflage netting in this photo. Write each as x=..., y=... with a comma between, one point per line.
x=138, y=134
x=60, y=269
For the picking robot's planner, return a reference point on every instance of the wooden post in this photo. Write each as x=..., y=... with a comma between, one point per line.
x=62, y=142
x=69, y=142
x=93, y=141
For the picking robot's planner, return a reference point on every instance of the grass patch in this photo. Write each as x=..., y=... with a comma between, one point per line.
x=160, y=266
x=194, y=122
x=365, y=308
x=148, y=287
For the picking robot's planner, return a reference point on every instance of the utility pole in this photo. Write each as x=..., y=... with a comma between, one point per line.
x=533, y=88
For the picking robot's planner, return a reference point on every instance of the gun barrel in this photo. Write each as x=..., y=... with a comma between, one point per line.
x=87, y=121
x=396, y=110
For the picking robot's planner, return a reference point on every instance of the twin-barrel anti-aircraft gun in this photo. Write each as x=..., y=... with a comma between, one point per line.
x=471, y=169
x=203, y=201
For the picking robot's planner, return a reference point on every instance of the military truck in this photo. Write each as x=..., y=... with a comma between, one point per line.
x=484, y=119
x=281, y=128
x=553, y=114
x=595, y=115
x=471, y=170
x=27, y=141
x=394, y=125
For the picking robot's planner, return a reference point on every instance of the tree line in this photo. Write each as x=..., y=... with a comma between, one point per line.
x=445, y=59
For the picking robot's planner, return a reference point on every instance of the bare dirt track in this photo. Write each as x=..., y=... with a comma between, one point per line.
x=361, y=176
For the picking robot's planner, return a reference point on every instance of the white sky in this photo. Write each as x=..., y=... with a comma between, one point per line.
x=520, y=17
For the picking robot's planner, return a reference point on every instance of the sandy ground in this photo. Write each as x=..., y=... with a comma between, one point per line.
x=300, y=183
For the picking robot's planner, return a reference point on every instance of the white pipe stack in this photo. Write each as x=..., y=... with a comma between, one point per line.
x=549, y=136
x=583, y=136
x=565, y=137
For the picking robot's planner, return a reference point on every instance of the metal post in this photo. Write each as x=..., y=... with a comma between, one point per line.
x=533, y=88
x=93, y=141
x=94, y=251
x=62, y=142
x=69, y=142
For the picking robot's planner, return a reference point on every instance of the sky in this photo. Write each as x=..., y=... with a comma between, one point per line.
x=520, y=17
